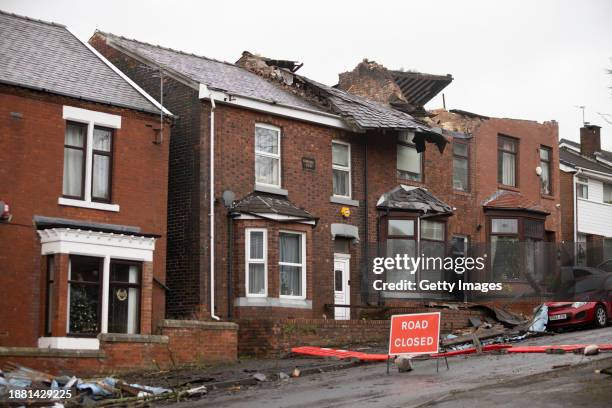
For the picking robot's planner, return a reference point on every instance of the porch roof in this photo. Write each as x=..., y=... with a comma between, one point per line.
x=510, y=200
x=411, y=198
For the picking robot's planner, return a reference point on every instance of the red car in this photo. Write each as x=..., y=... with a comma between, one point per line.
x=573, y=314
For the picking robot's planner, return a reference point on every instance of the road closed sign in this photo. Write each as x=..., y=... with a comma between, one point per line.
x=417, y=333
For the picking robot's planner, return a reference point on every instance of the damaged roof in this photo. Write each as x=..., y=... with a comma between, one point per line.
x=264, y=205
x=510, y=200
x=574, y=159
x=47, y=57
x=412, y=198
x=217, y=75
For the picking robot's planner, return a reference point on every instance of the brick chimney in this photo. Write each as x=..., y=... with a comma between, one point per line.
x=590, y=140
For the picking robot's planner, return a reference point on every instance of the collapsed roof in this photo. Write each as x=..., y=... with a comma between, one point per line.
x=271, y=206
x=47, y=57
x=411, y=198
x=274, y=81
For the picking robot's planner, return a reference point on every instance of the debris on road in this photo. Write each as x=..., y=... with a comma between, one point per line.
x=403, y=364
x=296, y=372
x=283, y=376
x=591, y=350
x=260, y=377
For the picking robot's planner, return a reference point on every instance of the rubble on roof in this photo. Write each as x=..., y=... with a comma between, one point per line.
x=413, y=199
x=456, y=120
x=264, y=205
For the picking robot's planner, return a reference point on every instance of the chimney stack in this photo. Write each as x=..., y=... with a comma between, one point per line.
x=590, y=140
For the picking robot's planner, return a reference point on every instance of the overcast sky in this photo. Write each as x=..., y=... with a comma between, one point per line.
x=521, y=59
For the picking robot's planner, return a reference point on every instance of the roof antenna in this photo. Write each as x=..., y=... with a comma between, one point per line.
x=582, y=107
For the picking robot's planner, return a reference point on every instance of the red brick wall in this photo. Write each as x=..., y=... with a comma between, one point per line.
x=276, y=337
x=31, y=167
x=183, y=343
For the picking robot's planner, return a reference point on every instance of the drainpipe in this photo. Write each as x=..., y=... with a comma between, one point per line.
x=212, y=207
x=366, y=238
x=576, y=174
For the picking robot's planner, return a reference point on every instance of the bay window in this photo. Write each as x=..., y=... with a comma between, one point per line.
x=505, y=248
x=256, y=251
x=267, y=155
x=341, y=168
x=433, y=246
x=401, y=239
x=409, y=161
x=292, y=264
x=507, y=161
x=85, y=296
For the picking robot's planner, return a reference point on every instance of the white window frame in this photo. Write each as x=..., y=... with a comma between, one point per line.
x=582, y=183
x=271, y=155
x=91, y=119
x=401, y=142
x=302, y=265
x=343, y=168
x=248, y=260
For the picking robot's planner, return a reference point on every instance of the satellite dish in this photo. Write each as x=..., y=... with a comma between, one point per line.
x=228, y=198
x=539, y=171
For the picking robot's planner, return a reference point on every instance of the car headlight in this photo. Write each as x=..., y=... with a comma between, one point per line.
x=576, y=305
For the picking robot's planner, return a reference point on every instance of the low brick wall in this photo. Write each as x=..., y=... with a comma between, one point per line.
x=182, y=343
x=276, y=337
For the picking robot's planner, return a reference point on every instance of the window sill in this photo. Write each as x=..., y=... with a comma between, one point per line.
x=70, y=202
x=271, y=190
x=462, y=192
x=547, y=197
x=343, y=201
x=273, y=302
x=73, y=343
x=132, y=338
x=509, y=188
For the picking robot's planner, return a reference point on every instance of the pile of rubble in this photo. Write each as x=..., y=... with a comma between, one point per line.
x=33, y=387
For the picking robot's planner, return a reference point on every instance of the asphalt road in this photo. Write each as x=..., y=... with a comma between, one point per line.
x=506, y=380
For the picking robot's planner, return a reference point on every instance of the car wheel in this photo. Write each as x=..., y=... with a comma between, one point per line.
x=601, y=316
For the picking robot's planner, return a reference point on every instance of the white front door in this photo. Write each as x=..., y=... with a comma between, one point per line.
x=341, y=286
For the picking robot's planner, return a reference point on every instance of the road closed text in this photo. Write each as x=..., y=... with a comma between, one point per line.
x=414, y=333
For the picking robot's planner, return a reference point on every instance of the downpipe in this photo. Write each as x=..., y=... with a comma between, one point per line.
x=212, y=208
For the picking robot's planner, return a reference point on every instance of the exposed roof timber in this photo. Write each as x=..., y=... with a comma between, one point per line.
x=419, y=88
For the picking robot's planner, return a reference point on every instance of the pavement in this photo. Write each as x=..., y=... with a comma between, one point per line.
x=501, y=380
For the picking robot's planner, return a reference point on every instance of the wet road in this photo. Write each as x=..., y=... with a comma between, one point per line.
x=473, y=381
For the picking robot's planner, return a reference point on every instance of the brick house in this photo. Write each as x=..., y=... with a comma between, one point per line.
x=82, y=151
x=311, y=182
x=586, y=194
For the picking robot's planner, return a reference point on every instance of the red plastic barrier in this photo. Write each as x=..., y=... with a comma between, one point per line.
x=342, y=354
x=564, y=347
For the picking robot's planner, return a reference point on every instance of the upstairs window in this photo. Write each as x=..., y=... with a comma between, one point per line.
x=267, y=155
x=409, y=161
x=460, y=166
x=102, y=164
x=75, y=152
x=545, y=158
x=582, y=187
x=341, y=167
x=507, y=161
x=607, y=193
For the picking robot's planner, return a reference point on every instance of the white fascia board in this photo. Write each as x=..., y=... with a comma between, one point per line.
x=90, y=116
x=569, y=146
x=123, y=76
x=566, y=168
x=94, y=243
x=595, y=174
x=307, y=115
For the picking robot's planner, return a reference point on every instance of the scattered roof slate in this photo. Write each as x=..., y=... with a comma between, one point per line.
x=574, y=159
x=215, y=74
x=412, y=198
x=47, y=56
x=258, y=203
x=510, y=200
